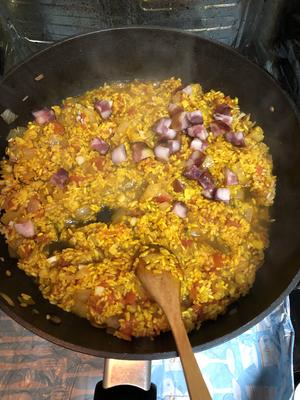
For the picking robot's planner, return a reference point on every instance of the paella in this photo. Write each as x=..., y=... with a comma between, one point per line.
x=89, y=182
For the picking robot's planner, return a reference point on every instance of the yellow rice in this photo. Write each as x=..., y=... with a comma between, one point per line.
x=219, y=246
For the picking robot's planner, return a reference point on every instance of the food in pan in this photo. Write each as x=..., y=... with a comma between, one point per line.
x=89, y=183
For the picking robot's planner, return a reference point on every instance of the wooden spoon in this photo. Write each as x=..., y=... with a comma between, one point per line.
x=165, y=290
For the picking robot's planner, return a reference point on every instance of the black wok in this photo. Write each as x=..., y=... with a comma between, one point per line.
x=86, y=61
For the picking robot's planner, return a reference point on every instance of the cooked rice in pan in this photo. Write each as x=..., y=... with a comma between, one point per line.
x=90, y=182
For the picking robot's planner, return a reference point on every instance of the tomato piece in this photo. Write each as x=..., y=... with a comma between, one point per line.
x=217, y=259
x=259, y=169
x=187, y=242
x=131, y=111
x=232, y=222
x=198, y=310
x=130, y=298
x=194, y=291
x=76, y=178
x=127, y=330
x=162, y=198
x=99, y=162
x=96, y=305
x=58, y=127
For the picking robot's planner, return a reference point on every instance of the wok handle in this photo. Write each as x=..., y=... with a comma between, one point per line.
x=126, y=379
x=124, y=392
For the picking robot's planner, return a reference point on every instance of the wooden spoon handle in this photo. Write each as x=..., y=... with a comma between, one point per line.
x=195, y=383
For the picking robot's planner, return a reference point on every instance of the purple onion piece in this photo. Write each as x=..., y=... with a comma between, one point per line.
x=198, y=144
x=192, y=172
x=103, y=107
x=195, y=117
x=162, y=152
x=161, y=125
x=223, y=108
x=60, y=178
x=174, y=146
x=174, y=109
x=187, y=90
x=206, y=180
x=235, y=138
x=180, y=209
x=222, y=194
x=140, y=151
x=180, y=121
x=198, y=131
x=25, y=229
x=219, y=128
x=44, y=115
x=230, y=177
x=99, y=145
x=226, y=119
x=119, y=155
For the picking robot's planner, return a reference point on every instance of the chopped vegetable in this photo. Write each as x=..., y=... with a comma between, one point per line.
x=195, y=117
x=44, y=115
x=99, y=290
x=60, y=178
x=119, y=154
x=198, y=144
x=162, y=198
x=99, y=145
x=103, y=108
x=180, y=121
x=223, y=108
x=235, y=138
x=140, y=151
x=230, y=177
x=206, y=181
x=25, y=229
x=208, y=162
x=174, y=109
x=162, y=125
x=192, y=172
x=8, y=116
x=226, y=119
x=222, y=194
x=80, y=160
x=174, y=146
x=52, y=260
x=16, y=132
x=187, y=90
x=180, y=209
x=162, y=153
x=196, y=158
x=218, y=128
x=198, y=131
x=223, y=113
x=178, y=186
x=217, y=259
